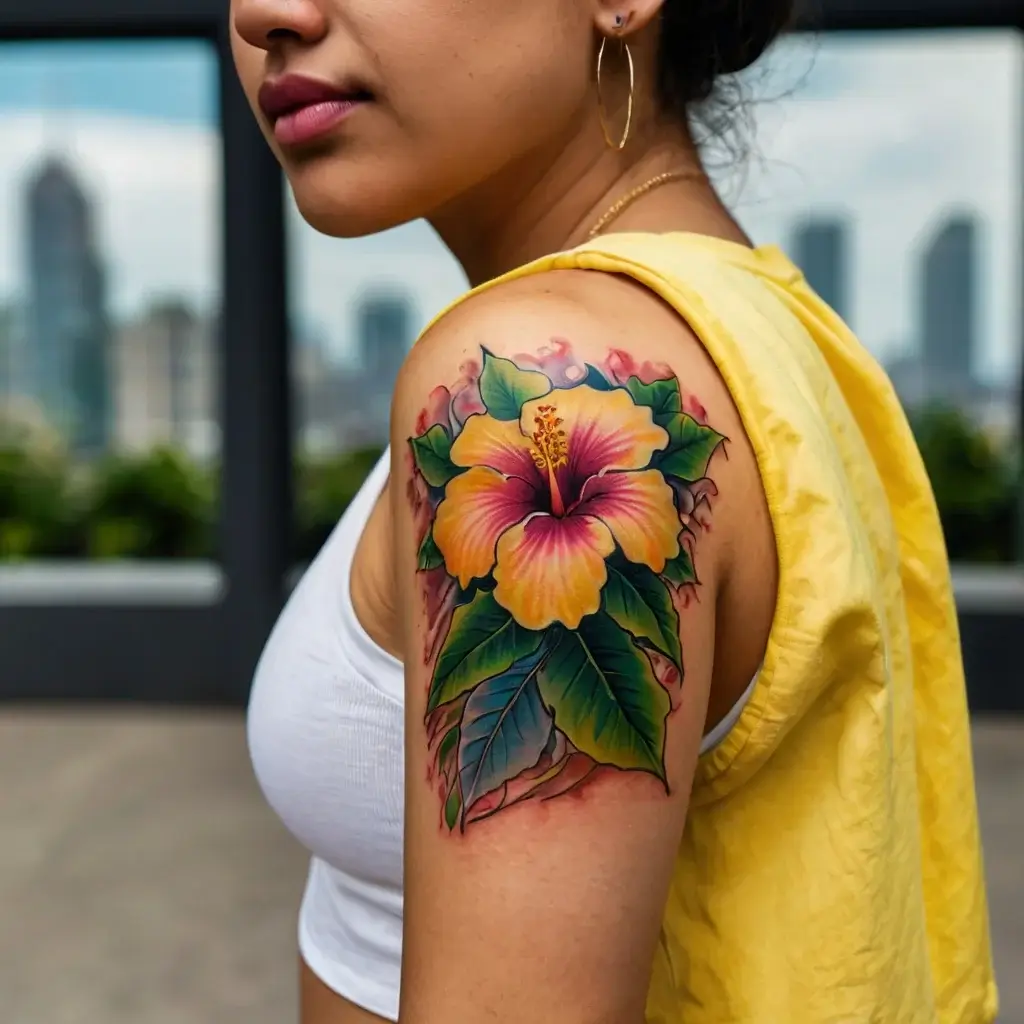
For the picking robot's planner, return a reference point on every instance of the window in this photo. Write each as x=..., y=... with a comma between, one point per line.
x=356, y=308
x=109, y=299
x=890, y=169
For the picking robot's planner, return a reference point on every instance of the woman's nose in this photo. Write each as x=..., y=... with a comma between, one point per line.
x=267, y=23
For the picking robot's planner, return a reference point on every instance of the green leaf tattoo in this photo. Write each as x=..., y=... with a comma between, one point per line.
x=448, y=746
x=505, y=729
x=447, y=762
x=432, y=452
x=680, y=570
x=637, y=599
x=662, y=396
x=603, y=693
x=453, y=806
x=689, y=450
x=429, y=556
x=505, y=388
x=484, y=640
x=596, y=379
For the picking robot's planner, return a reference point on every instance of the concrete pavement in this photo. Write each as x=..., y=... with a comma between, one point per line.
x=144, y=881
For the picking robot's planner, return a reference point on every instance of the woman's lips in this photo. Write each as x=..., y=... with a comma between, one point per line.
x=302, y=109
x=308, y=123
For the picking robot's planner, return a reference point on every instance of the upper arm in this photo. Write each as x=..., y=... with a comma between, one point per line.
x=558, y=608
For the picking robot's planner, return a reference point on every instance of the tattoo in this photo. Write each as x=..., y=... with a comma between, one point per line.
x=557, y=505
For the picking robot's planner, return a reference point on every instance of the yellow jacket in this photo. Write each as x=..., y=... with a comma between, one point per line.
x=831, y=866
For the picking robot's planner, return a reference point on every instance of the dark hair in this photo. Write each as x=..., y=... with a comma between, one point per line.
x=704, y=40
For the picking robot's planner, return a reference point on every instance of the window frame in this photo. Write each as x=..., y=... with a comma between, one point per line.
x=170, y=652
x=206, y=653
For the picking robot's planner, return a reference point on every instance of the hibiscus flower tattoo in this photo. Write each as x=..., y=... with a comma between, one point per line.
x=558, y=504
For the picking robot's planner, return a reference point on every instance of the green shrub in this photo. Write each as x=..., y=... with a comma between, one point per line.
x=977, y=486
x=323, y=489
x=159, y=505
x=156, y=505
x=39, y=513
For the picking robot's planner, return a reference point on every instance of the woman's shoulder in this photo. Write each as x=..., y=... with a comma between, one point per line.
x=565, y=320
x=602, y=346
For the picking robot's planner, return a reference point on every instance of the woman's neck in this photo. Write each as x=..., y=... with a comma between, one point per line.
x=549, y=202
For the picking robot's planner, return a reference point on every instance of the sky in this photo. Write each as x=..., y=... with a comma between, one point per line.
x=895, y=132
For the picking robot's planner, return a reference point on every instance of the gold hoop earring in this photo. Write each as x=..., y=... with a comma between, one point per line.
x=621, y=144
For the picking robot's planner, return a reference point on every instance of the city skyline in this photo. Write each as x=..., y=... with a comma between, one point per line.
x=132, y=384
x=102, y=384
x=150, y=380
x=157, y=184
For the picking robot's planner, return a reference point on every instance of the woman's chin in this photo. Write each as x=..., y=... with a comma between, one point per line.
x=345, y=222
x=333, y=210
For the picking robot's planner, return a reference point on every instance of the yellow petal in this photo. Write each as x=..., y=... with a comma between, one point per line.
x=479, y=505
x=603, y=429
x=639, y=510
x=552, y=570
x=485, y=441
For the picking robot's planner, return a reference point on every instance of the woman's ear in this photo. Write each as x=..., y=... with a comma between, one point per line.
x=619, y=18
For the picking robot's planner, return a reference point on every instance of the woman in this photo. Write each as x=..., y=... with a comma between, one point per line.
x=650, y=585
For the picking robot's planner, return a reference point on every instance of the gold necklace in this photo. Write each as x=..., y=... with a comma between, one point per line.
x=641, y=190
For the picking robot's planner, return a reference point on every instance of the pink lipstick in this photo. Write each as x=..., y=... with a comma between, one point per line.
x=304, y=109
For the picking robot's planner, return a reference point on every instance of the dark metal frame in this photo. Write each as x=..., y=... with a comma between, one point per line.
x=206, y=654
x=890, y=15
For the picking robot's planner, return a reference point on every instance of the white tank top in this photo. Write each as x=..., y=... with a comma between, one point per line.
x=326, y=735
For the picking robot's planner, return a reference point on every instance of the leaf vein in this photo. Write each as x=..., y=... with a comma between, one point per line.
x=497, y=726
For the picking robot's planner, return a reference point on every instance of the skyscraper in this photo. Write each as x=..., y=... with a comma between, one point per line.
x=163, y=380
x=948, y=297
x=385, y=336
x=8, y=354
x=385, y=333
x=68, y=333
x=821, y=250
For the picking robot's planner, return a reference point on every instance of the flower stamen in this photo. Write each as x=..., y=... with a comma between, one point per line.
x=550, y=451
